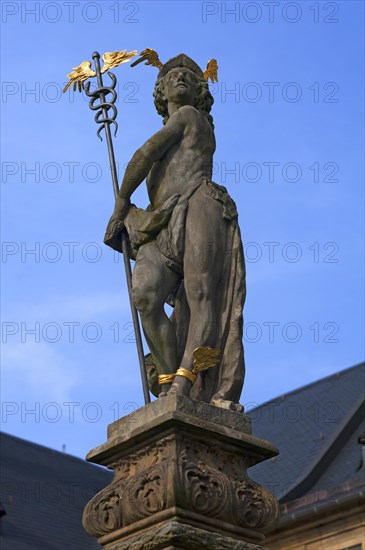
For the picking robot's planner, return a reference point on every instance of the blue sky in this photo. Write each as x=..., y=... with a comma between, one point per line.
x=288, y=117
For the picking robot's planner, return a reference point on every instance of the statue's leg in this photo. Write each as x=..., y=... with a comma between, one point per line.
x=152, y=282
x=205, y=237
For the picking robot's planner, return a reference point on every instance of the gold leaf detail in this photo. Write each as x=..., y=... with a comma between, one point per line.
x=211, y=71
x=205, y=358
x=150, y=56
x=114, y=59
x=78, y=76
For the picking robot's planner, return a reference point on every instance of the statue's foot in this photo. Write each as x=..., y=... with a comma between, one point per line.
x=180, y=386
x=164, y=389
x=226, y=404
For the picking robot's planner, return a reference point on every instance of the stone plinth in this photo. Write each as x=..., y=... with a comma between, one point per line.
x=181, y=481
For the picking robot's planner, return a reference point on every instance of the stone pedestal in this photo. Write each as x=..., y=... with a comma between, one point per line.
x=181, y=481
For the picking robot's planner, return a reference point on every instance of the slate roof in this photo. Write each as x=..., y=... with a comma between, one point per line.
x=43, y=493
x=316, y=428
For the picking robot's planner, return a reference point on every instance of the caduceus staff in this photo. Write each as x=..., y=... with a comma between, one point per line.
x=77, y=78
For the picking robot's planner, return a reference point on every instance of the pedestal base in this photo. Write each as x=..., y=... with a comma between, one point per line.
x=175, y=535
x=181, y=481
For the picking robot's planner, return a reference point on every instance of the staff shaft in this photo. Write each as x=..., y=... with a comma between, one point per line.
x=127, y=264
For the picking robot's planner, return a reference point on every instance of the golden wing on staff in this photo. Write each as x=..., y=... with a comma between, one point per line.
x=113, y=59
x=78, y=76
x=150, y=56
x=211, y=71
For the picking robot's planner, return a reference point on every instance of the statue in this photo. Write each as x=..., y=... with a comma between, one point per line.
x=180, y=463
x=186, y=245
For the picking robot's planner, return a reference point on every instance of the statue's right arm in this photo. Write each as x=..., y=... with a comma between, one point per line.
x=141, y=163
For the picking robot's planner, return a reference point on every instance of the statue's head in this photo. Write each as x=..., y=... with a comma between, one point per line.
x=181, y=81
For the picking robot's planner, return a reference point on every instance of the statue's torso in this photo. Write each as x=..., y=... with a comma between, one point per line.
x=187, y=161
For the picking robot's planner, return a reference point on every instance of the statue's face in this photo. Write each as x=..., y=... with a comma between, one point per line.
x=181, y=86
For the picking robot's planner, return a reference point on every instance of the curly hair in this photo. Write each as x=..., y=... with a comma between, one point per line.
x=203, y=103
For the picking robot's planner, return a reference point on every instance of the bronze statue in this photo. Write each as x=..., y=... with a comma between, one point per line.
x=186, y=245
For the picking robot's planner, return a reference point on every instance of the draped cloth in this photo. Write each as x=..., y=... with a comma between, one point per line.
x=166, y=226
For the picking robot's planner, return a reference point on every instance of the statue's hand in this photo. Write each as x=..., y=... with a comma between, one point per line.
x=121, y=208
x=113, y=234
